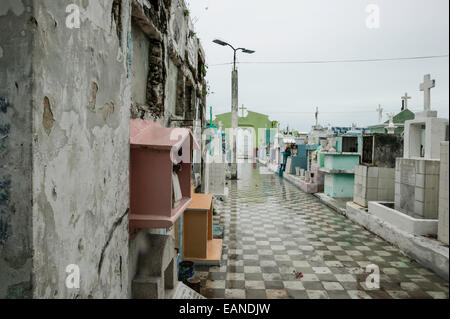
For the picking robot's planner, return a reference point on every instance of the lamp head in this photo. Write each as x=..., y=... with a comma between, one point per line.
x=220, y=42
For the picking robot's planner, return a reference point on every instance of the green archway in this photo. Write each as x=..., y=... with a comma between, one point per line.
x=253, y=120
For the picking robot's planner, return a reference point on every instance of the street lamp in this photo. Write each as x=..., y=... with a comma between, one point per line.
x=234, y=104
x=223, y=43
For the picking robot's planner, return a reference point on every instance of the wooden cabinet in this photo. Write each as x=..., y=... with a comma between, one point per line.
x=157, y=156
x=198, y=242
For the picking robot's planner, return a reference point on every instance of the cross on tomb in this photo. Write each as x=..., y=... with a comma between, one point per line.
x=405, y=101
x=242, y=108
x=426, y=87
x=380, y=113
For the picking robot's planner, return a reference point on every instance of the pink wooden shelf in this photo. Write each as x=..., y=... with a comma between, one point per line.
x=153, y=149
x=160, y=221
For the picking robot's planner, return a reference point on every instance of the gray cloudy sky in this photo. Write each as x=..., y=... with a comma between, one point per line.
x=301, y=30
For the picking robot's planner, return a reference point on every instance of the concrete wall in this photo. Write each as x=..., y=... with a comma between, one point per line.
x=443, y=195
x=16, y=42
x=65, y=149
x=81, y=150
x=339, y=185
x=65, y=100
x=417, y=187
x=341, y=162
x=319, y=177
x=373, y=184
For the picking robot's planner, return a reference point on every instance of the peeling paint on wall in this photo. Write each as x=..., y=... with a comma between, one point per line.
x=108, y=110
x=48, y=119
x=93, y=100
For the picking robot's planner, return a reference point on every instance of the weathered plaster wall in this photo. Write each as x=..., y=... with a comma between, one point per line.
x=139, y=65
x=176, y=85
x=64, y=136
x=16, y=40
x=443, y=195
x=81, y=112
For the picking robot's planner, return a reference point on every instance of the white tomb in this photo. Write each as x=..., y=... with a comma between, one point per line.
x=417, y=173
x=421, y=191
x=424, y=134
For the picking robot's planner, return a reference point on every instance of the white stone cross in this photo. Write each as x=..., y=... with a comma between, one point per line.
x=380, y=114
x=426, y=87
x=405, y=101
x=242, y=108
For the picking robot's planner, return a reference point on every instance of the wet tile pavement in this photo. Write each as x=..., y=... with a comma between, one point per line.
x=281, y=243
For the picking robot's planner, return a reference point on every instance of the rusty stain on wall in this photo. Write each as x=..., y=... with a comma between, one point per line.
x=48, y=119
x=108, y=110
x=93, y=100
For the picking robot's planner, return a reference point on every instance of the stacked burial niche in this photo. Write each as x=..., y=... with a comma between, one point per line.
x=150, y=21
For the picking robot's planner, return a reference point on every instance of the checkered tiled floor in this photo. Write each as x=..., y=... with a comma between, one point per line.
x=273, y=231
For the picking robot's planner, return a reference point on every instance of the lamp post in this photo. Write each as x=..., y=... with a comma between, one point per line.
x=234, y=105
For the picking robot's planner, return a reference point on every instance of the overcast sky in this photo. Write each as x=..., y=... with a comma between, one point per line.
x=320, y=30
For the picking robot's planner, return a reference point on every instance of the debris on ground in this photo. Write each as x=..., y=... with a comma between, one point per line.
x=298, y=275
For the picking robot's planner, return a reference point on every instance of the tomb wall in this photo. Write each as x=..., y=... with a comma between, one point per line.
x=339, y=185
x=417, y=187
x=373, y=184
x=443, y=232
x=65, y=106
x=69, y=118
